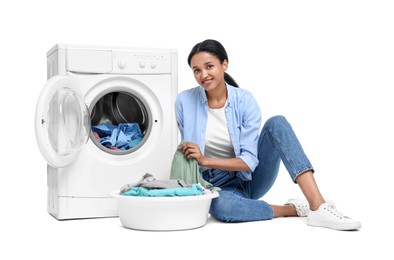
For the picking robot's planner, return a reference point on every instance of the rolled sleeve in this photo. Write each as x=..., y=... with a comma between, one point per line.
x=249, y=133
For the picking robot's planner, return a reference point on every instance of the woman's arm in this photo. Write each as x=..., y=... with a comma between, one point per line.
x=191, y=150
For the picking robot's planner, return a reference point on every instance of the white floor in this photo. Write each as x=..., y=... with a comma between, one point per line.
x=36, y=235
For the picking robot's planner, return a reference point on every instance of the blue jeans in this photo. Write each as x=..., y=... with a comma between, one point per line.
x=239, y=200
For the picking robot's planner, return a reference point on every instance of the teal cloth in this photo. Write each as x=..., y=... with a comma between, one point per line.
x=188, y=171
x=195, y=189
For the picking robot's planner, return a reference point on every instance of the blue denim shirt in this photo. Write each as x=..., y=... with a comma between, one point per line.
x=243, y=122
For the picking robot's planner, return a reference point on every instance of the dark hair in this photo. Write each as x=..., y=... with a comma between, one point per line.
x=215, y=48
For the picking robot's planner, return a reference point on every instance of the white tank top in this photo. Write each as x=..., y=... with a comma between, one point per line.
x=217, y=140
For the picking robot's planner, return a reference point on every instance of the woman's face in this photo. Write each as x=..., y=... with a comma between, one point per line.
x=208, y=71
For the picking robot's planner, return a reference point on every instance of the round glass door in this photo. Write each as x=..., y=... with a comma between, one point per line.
x=62, y=121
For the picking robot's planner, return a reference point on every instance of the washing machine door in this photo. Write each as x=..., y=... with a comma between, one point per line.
x=62, y=121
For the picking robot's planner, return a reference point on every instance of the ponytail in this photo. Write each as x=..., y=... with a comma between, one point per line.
x=230, y=80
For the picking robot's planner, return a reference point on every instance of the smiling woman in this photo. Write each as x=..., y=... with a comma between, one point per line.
x=221, y=124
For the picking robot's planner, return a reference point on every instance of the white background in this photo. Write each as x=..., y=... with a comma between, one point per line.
x=326, y=65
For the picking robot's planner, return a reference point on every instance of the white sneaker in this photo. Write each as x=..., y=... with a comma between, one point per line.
x=329, y=217
x=301, y=206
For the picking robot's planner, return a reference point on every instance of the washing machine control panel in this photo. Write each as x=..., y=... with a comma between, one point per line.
x=125, y=62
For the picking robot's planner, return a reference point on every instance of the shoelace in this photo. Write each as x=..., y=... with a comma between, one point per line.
x=332, y=209
x=302, y=210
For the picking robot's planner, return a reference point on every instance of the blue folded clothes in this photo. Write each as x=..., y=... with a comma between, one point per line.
x=193, y=190
x=124, y=136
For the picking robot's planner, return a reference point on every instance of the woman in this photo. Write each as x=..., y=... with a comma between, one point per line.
x=221, y=124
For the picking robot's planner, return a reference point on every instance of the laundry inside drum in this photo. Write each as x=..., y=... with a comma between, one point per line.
x=120, y=122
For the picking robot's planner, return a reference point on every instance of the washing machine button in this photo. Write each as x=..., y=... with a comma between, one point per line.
x=142, y=64
x=153, y=65
x=122, y=64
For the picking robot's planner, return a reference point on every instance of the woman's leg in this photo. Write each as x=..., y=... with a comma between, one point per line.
x=279, y=142
x=233, y=206
x=308, y=185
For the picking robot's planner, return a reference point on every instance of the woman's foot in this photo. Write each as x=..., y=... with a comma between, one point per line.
x=301, y=206
x=329, y=217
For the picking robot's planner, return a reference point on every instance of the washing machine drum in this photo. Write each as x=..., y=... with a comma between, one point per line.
x=125, y=108
x=119, y=107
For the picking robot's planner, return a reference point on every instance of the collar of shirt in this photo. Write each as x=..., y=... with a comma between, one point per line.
x=230, y=95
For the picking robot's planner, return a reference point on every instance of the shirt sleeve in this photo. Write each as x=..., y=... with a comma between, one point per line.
x=250, y=130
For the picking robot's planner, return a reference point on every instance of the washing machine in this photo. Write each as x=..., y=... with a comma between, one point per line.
x=89, y=88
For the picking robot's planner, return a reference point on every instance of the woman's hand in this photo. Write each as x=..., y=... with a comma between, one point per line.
x=191, y=150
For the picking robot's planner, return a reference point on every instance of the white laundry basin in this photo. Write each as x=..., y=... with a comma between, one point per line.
x=163, y=213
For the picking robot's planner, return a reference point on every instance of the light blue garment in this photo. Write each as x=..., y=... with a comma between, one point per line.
x=241, y=201
x=243, y=118
x=103, y=129
x=194, y=190
x=124, y=136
